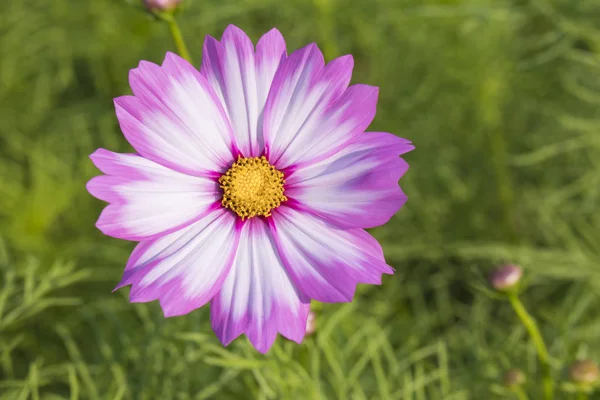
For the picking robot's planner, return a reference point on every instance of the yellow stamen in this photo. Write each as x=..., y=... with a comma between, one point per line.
x=252, y=187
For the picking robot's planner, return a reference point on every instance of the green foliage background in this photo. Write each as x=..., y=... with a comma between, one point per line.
x=501, y=99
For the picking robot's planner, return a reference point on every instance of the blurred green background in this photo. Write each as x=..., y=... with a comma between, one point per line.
x=501, y=99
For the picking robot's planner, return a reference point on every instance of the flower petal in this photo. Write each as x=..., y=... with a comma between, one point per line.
x=358, y=186
x=147, y=199
x=270, y=51
x=242, y=80
x=184, y=269
x=310, y=111
x=175, y=118
x=326, y=263
x=258, y=298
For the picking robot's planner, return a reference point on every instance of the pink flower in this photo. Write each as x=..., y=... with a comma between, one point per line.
x=506, y=278
x=161, y=5
x=251, y=185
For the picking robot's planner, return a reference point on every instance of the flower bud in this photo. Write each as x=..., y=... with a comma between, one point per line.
x=584, y=372
x=513, y=377
x=311, y=323
x=161, y=5
x=506, y=277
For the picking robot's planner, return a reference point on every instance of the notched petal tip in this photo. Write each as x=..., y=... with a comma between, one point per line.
x=236, y=35
x=102, y=226
x=120, y=285
x=346, y=60
x=387, y=141
x=271, y=45
x=171, y=57
x=169, y=310
x=143, y=64
x=92, y=187
x=98, y=156
x=271, y=37
x=340, y=69
x=263, y=348
x=231, y=28
x=144, y=70
x=141, y=67
x=275, y=32
x=105, y=160
x=211, y=40
x=123, y=102
x=125, y=281
x=109, y=223
x=315, y=52
x=307, y=54
x=212, y=51
x=407, y=146
x=369, y=90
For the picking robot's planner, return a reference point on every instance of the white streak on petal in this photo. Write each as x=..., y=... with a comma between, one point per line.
x=242, y=78
x=147, y=199
x=324, y=262
x=184, y=269
x=258, y=297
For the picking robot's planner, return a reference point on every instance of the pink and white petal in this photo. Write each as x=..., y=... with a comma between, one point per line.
x=242, y=79
x=310, y=110
x=184, y=269
x=230, y=68
x=270, y=52
x=324, y=262
x=341, y=124
x=258, y=298
x=175, y=118
x=358, y=186
x=147, y=199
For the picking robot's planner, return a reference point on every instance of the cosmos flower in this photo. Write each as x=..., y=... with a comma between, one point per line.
x=161, y=5
x=251, y=185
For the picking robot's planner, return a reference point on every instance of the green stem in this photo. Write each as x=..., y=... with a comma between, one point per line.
x=503, y=181
x=177, y=36
x=538, y=342
x=582, y=396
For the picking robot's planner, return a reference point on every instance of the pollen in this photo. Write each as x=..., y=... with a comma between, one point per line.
x=252, y=187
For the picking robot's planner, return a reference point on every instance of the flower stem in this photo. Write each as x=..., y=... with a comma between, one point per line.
x=503, y=182
x=177, y=36
x=534, y=332
x=582, y=396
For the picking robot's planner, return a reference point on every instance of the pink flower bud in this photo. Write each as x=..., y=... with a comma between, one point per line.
x=506, y=277
x=161, y=5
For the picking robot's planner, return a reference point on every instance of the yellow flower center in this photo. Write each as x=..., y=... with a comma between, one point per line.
x=252, y=187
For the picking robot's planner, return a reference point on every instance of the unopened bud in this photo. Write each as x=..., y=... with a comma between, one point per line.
x=506, y=277
x=513, y=377
x=311, y=323
x=584, y=372
x=161, y=5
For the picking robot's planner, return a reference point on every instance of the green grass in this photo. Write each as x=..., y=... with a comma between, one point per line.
x=501, y=99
